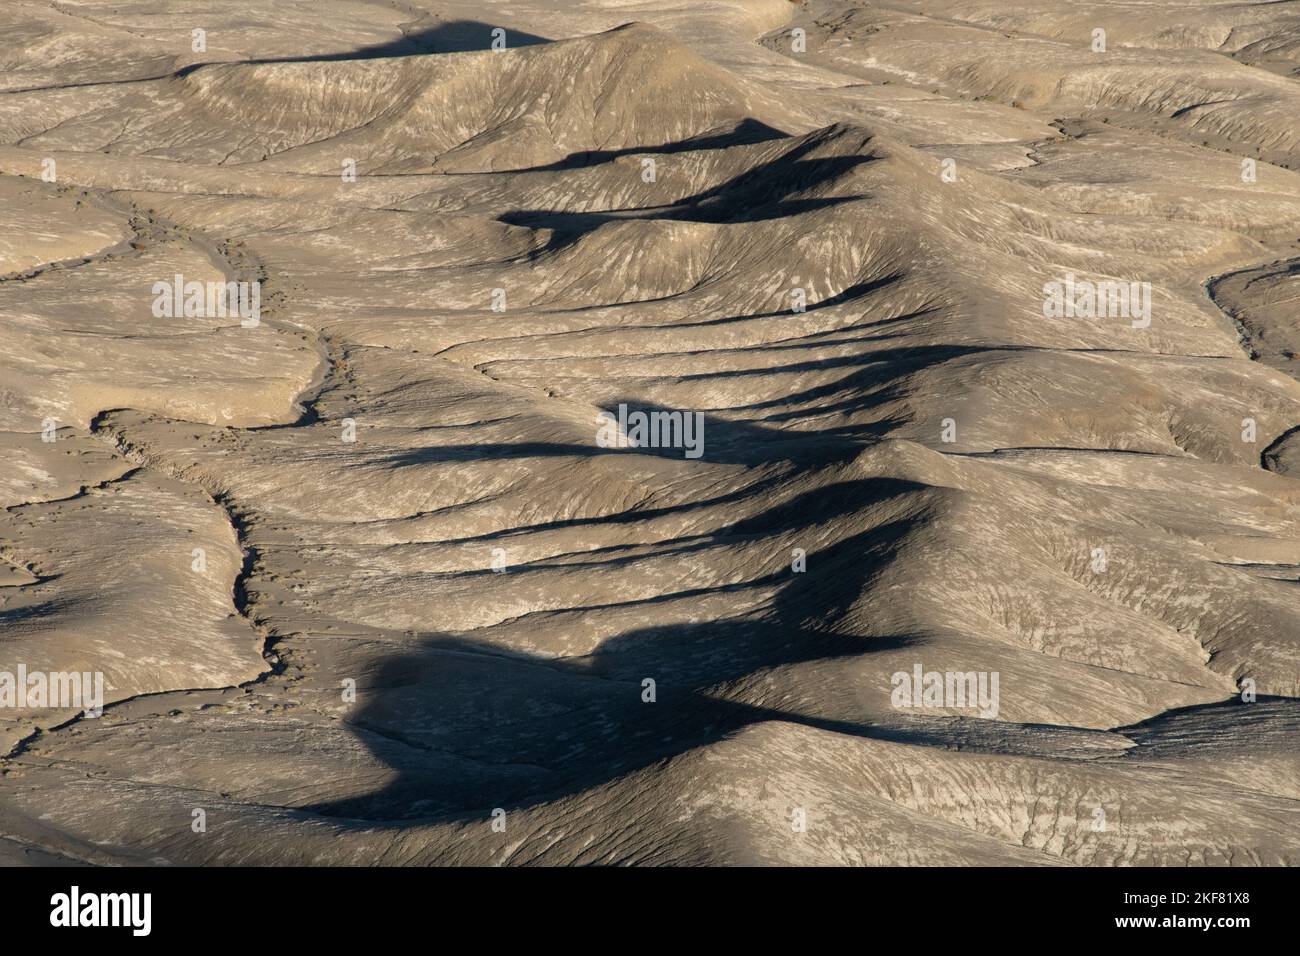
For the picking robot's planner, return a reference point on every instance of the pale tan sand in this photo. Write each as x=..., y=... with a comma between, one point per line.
x=387, y=485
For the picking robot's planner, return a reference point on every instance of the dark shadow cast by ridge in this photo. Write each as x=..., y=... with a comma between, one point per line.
x=453, y=36
x=877, y=377
x=745, y=133
x=725, y=440
x=469, y=727
x=33, y=612
x=766, y=192
x=784, y=455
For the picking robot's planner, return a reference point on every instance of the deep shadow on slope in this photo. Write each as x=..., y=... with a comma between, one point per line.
x=470, y=726
x=540, y=728
x=747, y=132
x=772, y=190
x=453, y=36
x=456, y=36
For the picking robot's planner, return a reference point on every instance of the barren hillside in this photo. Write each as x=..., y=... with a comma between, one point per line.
x=967, y=341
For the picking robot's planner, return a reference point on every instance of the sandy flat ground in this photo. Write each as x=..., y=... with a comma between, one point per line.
x=368, y=582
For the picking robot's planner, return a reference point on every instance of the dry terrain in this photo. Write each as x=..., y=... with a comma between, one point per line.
x=364, y=577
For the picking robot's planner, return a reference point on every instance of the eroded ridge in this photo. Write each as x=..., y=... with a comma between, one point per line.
x=765, y=434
